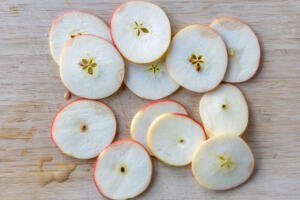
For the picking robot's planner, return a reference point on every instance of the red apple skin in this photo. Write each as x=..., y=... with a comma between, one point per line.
x=236, y=19
x=103, y=151
x=160, y=101
x=197, y=122
x=58, y=18
x=66, y=105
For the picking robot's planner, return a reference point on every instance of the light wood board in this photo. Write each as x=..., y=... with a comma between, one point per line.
x=31, y=92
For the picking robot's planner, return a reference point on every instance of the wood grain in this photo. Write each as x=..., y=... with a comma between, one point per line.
x=31, y=92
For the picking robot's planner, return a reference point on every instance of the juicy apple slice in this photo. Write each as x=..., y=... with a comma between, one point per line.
x=70, y=24
x=142, y=119
x=141, y=31
x=149, y=81
x=222, y=162
x=224, y=111
x=91, y=67
x=83, y=128
x=123, y=170
x=243, y=48
x=173, y=137
x=197, y=58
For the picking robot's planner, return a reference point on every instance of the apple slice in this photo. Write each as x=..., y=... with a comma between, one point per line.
x=243, y=48
x=142, y=119
x=70, y=24
x=141, y=31
x=222, y=162
x=91, y=67
x=123, y=170
x=83, y=128
x=149, y=81
x=224, y=111
x=173, y=137
x=197, y=58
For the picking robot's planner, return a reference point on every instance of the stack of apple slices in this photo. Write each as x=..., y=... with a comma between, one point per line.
x=92, y=58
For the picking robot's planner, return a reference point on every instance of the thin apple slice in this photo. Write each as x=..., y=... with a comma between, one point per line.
x=83, y=128
x=224, y=111
x=142, y=119
x=91, y=67
x=149, y=81
x=173, y=137
x=222, y=162
x=141, y=31
x=197, y=58
x=243, y=48
x=123, y=170
x=70, y=24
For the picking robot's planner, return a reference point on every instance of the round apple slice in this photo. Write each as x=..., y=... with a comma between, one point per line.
x=141, y=31
x=173, y=137
x=70, y=24
x=243, y=48
x=149, y=81
x=222, y=162
x=83, y=128
x=91, y=67
x=197, y=58
x=142, y=119
x=224, y=111
x=123, y=170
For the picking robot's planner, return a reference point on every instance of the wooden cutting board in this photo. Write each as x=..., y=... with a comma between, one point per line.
x=31, y=92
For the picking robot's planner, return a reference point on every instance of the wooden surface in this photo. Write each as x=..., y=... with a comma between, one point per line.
x=31, y=92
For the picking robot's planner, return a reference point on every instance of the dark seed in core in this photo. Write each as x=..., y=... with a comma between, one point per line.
x=83, y=128
x=181, y=141
x=223, y=106
x=122, y=169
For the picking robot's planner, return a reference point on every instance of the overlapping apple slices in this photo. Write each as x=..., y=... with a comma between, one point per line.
x=142, y=119
x=83, y=128
x=197, y=58
x=141, y=31
x=123, y=170
x=173, y=137
x=149, y=81
x=224, y=111
x=91, y=67
x=71, y=24
x=243, y=48
x=222, y=162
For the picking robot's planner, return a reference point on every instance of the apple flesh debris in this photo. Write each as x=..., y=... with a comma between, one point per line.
x=243, y=48
x=141, y=31
x=83, y=128
x=197, y=58
x=71, y=24
x=142, y=119
x=149, y=81
x=222, y=162
x=123, y=170
x=224, y=111
x=173, y=137
x=91, y=67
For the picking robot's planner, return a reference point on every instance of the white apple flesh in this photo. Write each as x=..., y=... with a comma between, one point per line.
x=142, y=119
x=173, y=138
x=243, y=48
x=71, y=24
x=123, y=170
x=91, y=67
x=224, y=111
x=197, y=58
x=149, y=81
x=141, y=31
x=83, y=128
x=222, y=162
